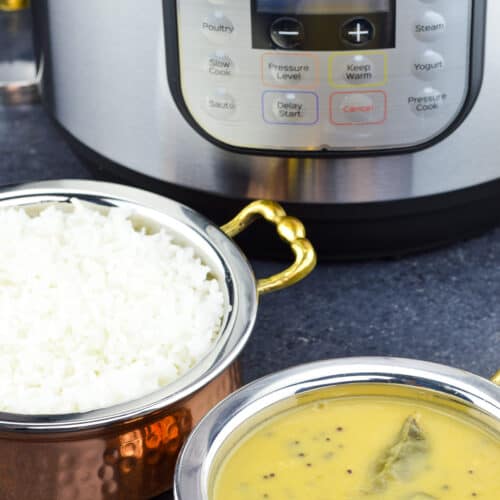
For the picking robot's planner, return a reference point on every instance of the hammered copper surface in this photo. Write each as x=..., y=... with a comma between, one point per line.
x=128, y=461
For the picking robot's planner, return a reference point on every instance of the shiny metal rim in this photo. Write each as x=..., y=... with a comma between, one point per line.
x=193, y=467
x=226, y=259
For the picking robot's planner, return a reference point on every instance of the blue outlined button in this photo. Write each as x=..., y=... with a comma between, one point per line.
x=290, y=108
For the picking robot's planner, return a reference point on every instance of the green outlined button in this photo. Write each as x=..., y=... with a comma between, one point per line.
x=358, y=69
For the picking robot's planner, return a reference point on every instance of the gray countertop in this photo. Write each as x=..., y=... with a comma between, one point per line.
x=441, y=306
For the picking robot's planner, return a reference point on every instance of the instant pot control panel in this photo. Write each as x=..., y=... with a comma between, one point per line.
x=324, y=75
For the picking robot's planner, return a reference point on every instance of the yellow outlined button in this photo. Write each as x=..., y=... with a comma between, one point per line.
x=357, y=69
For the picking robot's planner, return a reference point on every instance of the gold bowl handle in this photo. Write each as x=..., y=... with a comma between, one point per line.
x=290, y=230
x=496, y=378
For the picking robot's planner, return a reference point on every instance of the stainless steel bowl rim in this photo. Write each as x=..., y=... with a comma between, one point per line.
x=208, y=239
x=193, y=466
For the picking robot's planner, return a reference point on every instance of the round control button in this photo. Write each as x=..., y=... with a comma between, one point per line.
x=428, y=65
x=287, y=32
x=358, y=31
x=359, y=70
x=428, y=102
x=289, y=70
x=220, y=104
x=359, y=108
x=219, y=65
x=289, y=108
x=217, y=28
x=430, y=26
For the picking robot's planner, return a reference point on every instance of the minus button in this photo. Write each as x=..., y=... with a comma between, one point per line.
x=287, y=33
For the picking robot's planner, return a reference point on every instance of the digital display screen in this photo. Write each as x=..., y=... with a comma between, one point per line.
x=312, y=7
x=318, y=25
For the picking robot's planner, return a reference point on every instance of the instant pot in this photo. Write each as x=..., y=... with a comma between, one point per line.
x=374, y=120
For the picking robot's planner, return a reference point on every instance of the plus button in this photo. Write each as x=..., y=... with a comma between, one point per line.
x=358, y=31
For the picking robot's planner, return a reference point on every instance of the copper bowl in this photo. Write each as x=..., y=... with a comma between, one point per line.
x=129, y=451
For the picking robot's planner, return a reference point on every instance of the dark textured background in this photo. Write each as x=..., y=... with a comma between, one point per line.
x=441, y=306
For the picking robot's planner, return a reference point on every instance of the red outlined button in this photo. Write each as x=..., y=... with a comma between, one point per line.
x=358, y=108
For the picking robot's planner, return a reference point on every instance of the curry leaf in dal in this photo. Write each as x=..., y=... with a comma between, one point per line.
x=404, y=459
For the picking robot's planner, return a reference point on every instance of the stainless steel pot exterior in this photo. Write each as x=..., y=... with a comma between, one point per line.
x=195, y=466
x=128, y=451
x=104, y=80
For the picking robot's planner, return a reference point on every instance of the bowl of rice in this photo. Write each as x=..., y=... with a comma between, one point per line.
x=122, y=314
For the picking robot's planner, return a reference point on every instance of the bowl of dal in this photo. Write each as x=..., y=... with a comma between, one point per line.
x=352, y=429
x=122, y=315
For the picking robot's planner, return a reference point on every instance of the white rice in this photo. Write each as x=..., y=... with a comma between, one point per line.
x=95, y=313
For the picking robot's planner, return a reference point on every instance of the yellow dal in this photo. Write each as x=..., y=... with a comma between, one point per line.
x=327, y=450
